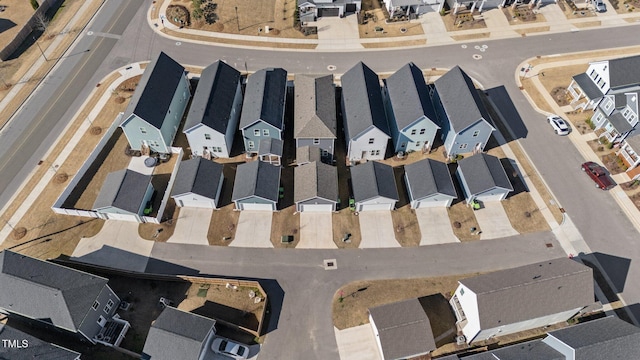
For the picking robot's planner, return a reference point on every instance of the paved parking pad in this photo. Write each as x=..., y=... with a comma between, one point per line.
x=316, y=231
x=435, y=226
x=192, y=226
x=493, y=221
x=357, y=343
x=376, y=228
x=254, y=229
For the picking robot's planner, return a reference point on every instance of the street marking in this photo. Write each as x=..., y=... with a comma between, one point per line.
x=103, y=34
x=477, y=56
x=331, y=67
x=178, y=43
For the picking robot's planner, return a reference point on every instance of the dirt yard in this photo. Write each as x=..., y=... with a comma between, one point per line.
x=463, y=20
x=285, y=223
x=405, y=221
x=522, y=15
x=373, y=23
x=463, y=220
x=14, y=15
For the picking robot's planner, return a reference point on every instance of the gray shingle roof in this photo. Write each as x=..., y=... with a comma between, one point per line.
x=460, y=99
x=44, y=290
x=154, y=92
x=530, y=350
x=404, y=329
x=483, y=172
x=36, y=349
x=605, y=338
x=624, y=71
x=531, y=291
x=634, y=141
x=264, y=98
x=214, y=97
x=198, y=176
x=373, y=179
x=256, y=178
x=409, y=96
x=307, y=154
x=619, y=122
x=315, y=179
x=177, y=334
x=588, y=87
x=270, y=146
x=315, y=107
x=428, y=177
x=123, y=189
x=362, y=99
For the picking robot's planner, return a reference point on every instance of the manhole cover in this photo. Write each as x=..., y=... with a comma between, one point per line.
x=331, y=67
x=477, y=56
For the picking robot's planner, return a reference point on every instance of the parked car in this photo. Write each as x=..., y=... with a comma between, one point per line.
x=599, y=5
x=558, y=124
x=229, y=348
x=599, y=175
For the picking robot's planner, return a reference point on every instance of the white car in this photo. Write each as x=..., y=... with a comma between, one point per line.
x=229, y=348
x=599, y=5
x=558, y=124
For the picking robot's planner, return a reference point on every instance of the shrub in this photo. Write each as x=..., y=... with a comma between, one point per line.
x=34, y=4
x=590, y=123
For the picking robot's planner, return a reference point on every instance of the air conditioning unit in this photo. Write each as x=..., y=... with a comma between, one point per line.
x=461, y=340
x=99, y=337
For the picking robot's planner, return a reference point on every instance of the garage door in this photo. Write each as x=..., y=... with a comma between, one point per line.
x=328, y=12
x=496, y=197
x=122, y=217
x=195, y=203
x=434, y=203
x=375, y=207
x=261, y=207
x=351, y=8
x=317, y=208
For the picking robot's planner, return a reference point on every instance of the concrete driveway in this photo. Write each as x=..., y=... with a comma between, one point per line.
x=435, y=226
x=316, y=231
x=376, y=228
x=192, y=226
x=254, y=230
x=357, y=343
x=338, y=33
x=493, y=221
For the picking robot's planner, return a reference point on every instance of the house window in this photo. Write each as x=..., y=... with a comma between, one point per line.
x=95, y=305
x=374, y=152
x=461, y=291
x=251, y=144
x=217, y=149
x=371, y=140
x=324, y=153
x=608, y=105
x=207, y=136
x=592, y=72
x=265, y=132
x=256, y=132
x=403, y=145
x=422, y=131
x=413, y=132
x=599, y=117
x=316, y=141
x=143, y=130
x=476, y=133
x=626, y=113
x=463, y=146
x=108, y=307
x=603, y=85
x=102, y=321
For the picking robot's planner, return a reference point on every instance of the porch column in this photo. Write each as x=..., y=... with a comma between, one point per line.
x=473, y=7
x=481, y=5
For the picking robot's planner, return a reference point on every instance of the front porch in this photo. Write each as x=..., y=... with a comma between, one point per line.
x=113, y=332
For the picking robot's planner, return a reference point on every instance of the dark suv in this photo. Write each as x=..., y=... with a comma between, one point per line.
x=599, y=175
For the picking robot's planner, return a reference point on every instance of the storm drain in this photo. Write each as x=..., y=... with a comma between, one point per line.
x=330, y=264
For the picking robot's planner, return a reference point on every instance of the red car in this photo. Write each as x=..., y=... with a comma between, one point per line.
x=599, y=175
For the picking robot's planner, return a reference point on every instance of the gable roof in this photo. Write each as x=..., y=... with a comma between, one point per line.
x=588, y=87
x=605, y=338
x=531, y=291
x=198, y=176
x=177, y=334
x=409, y=96
x=270, y=146
x=264, y=99
x=47, y=291
x=460, y=99
x=153, y=95
x=213, y=99
x=483, y=172
x=315, y=107
x=362, y=101
x=428, y=177
x=123, y=189
x=373, y=179
x=307, y=154
x=624, y=71
x=634, y=140
x=404, y=329
x=256, y=178
x=315, y=179
x=530, y=350
x=619, y=122
x=36, y=349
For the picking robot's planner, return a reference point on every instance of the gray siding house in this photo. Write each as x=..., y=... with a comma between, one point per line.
x=374, y=186
x=308, y=154
x=156, y=108
x=65, y=298
x=412, y=119
x=310, y=10
x=365, y=124
x=213, y=116
x=30, y=347
x=270, y=151
x=198, y=184
x=465, y=122
x=316, y=187
x=483, y=178
x=256, y=186
x=429, y=184
x=178, y=334
x=314, y=123
x=263, y=108
x=123, y=196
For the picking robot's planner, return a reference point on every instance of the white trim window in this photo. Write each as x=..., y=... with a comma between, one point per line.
x=476, y=133
x=316, y=141
x=256, y=132
x=207, y=136
x=251, y=144
x=463, y=146
x=96, y=305
x=265, y=132
x=109, y=306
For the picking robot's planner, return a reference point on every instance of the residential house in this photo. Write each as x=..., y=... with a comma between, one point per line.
x=483, y=178
x=374, y=186
x=308, y=154
x=263, y=107
x=466, y=125
x=629, y=154
x=19, y=345
x=316, y=187
x=151, y=120
x=124, y=196
x=178, y=334
x=213, y=116
x=198, y=184
x=412, y=119
x=429, y=184
x=270, y=151
x=314, y=123
x=522, y=298
x=310, y=10
x=256, y=187
x=411, y=9
x=365, y=123
x=457, y=6
x=528, y=350
x=617, y=114
x=60, y=298
x=402, y=330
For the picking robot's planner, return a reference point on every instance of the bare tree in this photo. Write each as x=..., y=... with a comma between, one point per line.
x=40, y=21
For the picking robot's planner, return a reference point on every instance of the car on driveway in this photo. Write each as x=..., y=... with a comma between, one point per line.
x=229, y=348
x=599, y=5
x=599, y=175
x=558, y=124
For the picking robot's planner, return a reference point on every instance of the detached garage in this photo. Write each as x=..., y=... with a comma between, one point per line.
x=483, y=178
x=198, y=184
x=374, y=187
x=429, y=184
x=257, y=186
x=316, y=187
x=124, y=196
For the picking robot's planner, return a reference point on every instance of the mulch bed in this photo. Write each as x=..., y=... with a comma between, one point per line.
x=559, y=94
x=613, y=164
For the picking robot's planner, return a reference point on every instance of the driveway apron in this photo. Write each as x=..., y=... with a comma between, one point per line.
x=254, y=229
x=192, y=226
x=376, y=228
x=493, y=221
x=316, y=231
x=435, y=226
